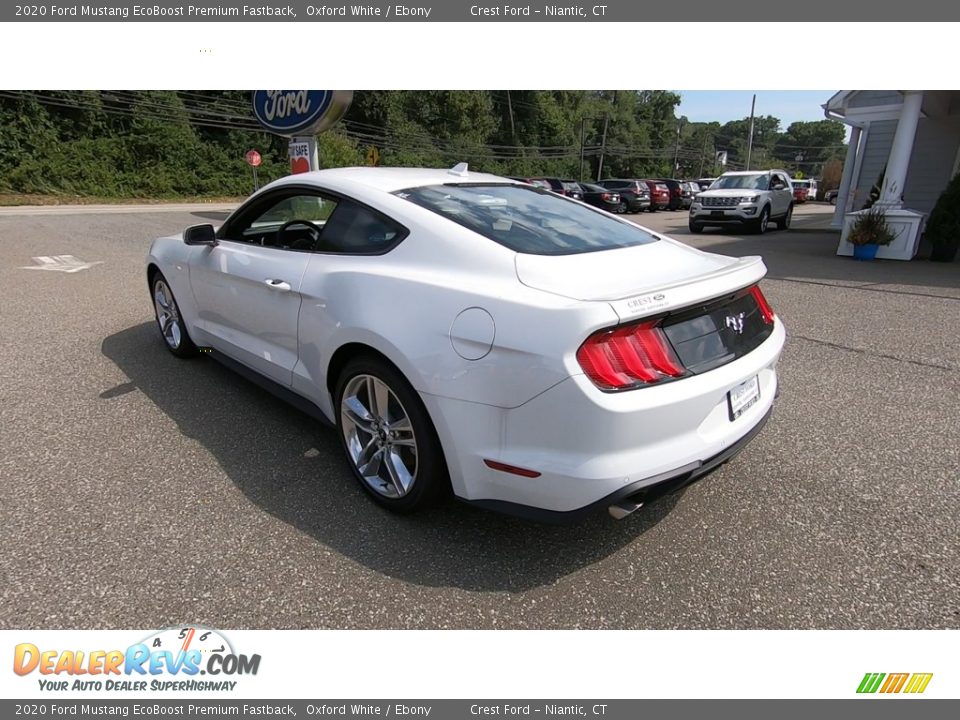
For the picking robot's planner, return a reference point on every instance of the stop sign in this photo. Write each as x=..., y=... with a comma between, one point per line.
x=253, y=158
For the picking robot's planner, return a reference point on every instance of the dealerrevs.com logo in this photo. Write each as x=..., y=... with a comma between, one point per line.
x=892, y=683
x=173, y=659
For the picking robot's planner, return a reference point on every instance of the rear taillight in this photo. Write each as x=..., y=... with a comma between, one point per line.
x=607, y=196
x=631, y=356
x=765, y=310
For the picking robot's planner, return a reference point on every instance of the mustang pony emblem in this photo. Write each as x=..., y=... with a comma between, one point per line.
x=735, y=323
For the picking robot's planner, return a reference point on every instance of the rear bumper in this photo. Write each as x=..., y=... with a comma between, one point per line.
x=641, y=491
x=590, y=447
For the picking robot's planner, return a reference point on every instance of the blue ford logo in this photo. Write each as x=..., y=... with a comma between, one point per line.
x=300, y=112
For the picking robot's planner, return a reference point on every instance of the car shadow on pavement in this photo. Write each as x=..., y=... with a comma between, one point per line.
x=291, y=466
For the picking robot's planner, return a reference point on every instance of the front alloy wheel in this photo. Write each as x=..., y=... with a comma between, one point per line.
x=784, y=223
x=387, y=436
x=763, y=220
x=171, y=325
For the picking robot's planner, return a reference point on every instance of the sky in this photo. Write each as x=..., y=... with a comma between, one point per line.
x=726, y=105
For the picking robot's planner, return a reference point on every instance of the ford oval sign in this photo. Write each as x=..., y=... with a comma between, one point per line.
x=300, y=112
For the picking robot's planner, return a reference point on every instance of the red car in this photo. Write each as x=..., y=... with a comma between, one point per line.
x=659, y=195
x=800, y=194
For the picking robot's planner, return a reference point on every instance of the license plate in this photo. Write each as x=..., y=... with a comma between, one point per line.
x=743, y=396
x=716, y=213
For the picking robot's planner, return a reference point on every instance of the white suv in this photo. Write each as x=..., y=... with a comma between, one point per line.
x=747, y=198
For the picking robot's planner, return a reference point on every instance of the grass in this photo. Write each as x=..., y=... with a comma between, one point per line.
x=17, y=199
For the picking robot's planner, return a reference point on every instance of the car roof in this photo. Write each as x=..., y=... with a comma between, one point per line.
x=389, y=179
x=753, y=172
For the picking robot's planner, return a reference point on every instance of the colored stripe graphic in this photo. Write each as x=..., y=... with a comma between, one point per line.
x=894, y=682
x=918, y=682
x=870, y=682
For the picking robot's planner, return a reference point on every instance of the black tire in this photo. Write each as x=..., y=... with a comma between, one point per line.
x=833, y=200
x=622, y=208
x=695, y=228
x=652, y=209
x=429, y=478
x=173, y=331
x=761, y=223
x=784, y=222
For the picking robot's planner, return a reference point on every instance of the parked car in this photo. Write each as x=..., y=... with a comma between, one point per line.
x=571, y=188
x=694, y=187
x=463, y=331
x=803, y=190
x=634, y=194
x=744, y=198
x=808, y=184
x=831, y=196
x=533, y=181
x=705, y=183
x=679, y=194
x=602, y=198
x=556, y=184
x=659, y=195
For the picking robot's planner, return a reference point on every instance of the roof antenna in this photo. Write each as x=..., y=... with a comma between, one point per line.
x=460, y=170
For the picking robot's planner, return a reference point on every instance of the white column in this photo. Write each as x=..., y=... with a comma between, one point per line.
x=899, y=161
x=846, y=180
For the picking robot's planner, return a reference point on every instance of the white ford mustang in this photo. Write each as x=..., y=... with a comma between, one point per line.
x=466, y=331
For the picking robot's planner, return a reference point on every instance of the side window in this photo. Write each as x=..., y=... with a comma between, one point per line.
x=354, y=228
x=292, y=222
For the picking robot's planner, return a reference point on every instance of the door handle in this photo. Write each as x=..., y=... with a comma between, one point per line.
x=278, y=285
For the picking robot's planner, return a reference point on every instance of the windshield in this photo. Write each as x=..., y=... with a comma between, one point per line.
x=801, y=184
x=760, y=181
x=526, y=219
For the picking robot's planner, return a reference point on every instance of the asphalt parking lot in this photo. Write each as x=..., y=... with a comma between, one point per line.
x=137, y=490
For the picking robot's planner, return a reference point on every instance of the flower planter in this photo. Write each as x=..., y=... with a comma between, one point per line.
x=865, y=252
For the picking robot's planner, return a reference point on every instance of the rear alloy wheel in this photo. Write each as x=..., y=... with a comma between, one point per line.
x=695, y=228
x=169, y=320
x=763, y=221
x=387, y=436
x=621, y=208
x=784, y=222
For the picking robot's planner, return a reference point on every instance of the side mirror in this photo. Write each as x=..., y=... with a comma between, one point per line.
x=200, y=235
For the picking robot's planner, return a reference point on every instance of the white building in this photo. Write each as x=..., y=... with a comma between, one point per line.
x=912, y=138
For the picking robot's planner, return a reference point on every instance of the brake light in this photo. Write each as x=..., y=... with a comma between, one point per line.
x=607, y=196
x=765, y=310
x=629, y=356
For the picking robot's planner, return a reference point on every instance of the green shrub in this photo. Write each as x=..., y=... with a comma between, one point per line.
x=943, y=227
x=871, y=228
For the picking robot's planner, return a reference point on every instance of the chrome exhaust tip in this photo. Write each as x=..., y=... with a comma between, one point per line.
x=618, y=511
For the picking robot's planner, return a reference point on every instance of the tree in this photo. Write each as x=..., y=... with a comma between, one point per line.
x=807, y=145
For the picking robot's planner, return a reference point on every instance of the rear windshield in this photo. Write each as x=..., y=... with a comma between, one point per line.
x=527, y=219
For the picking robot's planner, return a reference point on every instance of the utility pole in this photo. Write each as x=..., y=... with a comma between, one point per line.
x=603, y=141
x=753, y=106
x=603, y=146
x=676, y=150
x=703, y=154
x=582, y=124
x=513, y=132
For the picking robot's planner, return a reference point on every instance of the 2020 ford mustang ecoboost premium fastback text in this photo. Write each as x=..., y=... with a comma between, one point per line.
x=463, y=330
